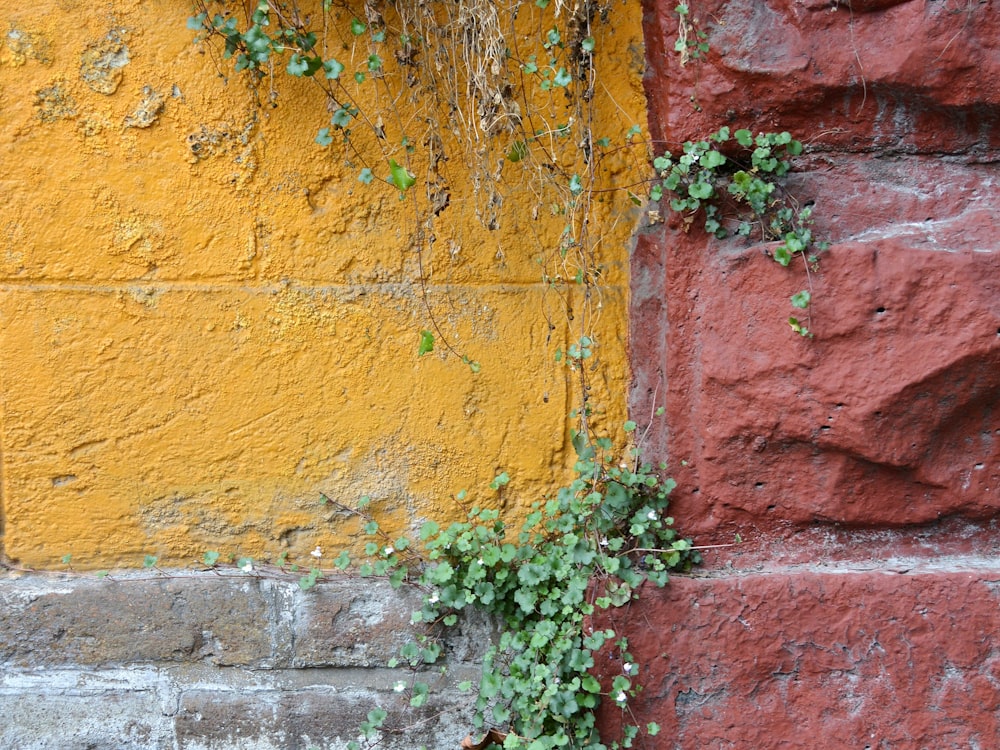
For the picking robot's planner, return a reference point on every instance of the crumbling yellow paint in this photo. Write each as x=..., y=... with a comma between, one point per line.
x=208, y=323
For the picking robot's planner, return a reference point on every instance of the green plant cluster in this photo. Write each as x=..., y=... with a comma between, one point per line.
x=268, y=35
x=736, y=177
x=587, y=548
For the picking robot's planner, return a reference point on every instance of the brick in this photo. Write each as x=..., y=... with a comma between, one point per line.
x=91, y=622
x=123, y=720
x=319, y=717
x=353, y=623
x=858, y=659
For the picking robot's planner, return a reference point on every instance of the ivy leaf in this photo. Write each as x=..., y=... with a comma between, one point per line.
x=332, y=69
x=400, y=177
x=357, y=27
x=211, y=558
x=426, y=343
x=323, y=138
x=500, y=480
x=366, y=176
x=801, y=299
x=782, y=256
x=300, y=66
x=341, y=118
x=700, y=190
x=712, y=159
x=587, y=44
x=562, y=78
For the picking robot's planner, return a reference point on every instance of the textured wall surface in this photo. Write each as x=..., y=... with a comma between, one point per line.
x=201, y=662
x=206, y=320
x=892, y=410
x=859, y=468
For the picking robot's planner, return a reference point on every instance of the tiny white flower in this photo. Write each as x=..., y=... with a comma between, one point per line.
x=247, y=567
x=317, y=553
x=627, y=667
x=433, y=599
x=399, y=687
x=480, y=561
x=389, y=550
x=604, y=542
x=651, y=515
x=621, y=697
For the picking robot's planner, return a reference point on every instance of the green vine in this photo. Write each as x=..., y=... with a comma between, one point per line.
x=738, y=190
x=514, y=95
x=503, y=98
x=692, y=42
x=586, y=549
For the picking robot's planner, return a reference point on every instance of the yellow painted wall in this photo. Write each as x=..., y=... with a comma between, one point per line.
x=206, y=321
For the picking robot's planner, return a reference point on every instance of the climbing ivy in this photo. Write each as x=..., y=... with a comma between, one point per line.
x=413, y=90
x=588, y=547
x=733, y=181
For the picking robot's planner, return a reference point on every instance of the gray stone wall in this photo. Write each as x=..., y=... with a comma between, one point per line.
x=202, y=661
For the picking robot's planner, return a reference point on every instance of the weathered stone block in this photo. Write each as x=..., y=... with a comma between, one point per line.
x=124, y=720
x=890, y=416
x=325, y=718
x=822, y=660
x=91, y=622
x=895, y=75
x=353, y=623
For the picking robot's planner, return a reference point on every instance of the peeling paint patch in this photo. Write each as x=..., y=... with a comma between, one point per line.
x=23, y=46
x=150, y=107
x=53, y=103
x=206, y=142
x=102, y=62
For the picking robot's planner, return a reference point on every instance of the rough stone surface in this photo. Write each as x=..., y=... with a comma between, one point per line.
x=84, y=720
x=207, y=323
x=345, y=626
x=216, y=666
x=891, y=415
x=875, y=76
x=861, y=468
x=93, y=622
x=822, y=659
x=297, y=720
